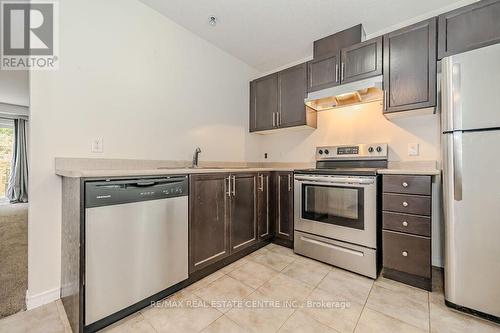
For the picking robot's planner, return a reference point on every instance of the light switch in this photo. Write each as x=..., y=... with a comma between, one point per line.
x=413, y=149
x=97, y=145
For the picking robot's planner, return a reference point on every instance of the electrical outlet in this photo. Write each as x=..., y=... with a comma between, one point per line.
x=97, y=145
x=413, y=149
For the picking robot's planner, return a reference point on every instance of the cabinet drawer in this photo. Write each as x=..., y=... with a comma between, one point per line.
x=410, y=204
x=407, y=253
x=407, y=184
x=418, y=225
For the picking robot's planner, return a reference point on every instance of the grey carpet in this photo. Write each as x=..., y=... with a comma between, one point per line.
x=13, y=258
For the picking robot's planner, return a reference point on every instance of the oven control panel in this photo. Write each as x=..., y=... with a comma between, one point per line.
x=353, y=152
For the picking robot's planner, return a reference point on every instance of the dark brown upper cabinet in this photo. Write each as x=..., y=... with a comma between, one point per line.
x=332, y=44
x=264, y=103
x=468, y=28
x=284, y=208
x=361, y=61
x=324, y=72
x=208, y=220
x=352, y=63
x=410, y=67
x=243, y=211
x=277, y=100
x=264, y=211
x=291, y=94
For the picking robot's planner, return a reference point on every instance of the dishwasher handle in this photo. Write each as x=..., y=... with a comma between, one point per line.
x=114, y=192
x=138, y=183
x=156, y=182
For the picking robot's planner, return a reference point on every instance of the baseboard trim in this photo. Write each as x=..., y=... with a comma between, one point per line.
x=34, y=301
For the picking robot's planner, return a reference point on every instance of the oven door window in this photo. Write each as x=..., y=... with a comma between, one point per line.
x=341, y=206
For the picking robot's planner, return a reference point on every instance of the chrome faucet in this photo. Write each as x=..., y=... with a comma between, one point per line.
x=196, y=158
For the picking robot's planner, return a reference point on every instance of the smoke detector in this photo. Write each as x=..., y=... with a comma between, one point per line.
x=212, y=20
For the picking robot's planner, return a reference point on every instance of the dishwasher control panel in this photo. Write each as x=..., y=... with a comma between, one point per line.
x=120, y=191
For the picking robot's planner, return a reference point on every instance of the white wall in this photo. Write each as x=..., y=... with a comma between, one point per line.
x=357, y=124
x=149, y=88
x=14, y=87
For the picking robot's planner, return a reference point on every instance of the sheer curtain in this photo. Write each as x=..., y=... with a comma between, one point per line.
x=17, y=190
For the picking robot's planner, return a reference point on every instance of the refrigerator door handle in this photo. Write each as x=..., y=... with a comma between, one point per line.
x=447, y=95
x=457, y=166
x=456, y=96
x=451, y=101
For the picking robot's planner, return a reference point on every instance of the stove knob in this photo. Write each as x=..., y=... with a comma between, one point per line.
x=379, y=149
x=320, y=152
x=327, y=151
x=370, y=150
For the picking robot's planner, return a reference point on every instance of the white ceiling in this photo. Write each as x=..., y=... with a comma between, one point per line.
x=267, y=34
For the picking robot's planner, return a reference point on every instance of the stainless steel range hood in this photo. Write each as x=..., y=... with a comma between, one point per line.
x=359, y=92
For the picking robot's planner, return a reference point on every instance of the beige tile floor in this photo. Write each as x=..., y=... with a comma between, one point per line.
x=320, y=298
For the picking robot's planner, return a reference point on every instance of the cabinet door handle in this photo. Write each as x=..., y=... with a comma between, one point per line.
x=405, y=184
x=309, y=71
x=404, y=254
x=234, y=186
x=227, y=188
x=405, y=224
x=405, y=204
x=289, y=183
x=279, y=105
x=261, y=186
x=385, y=100
x=255, y=110
x=336, y=72
x=274, y=119
x=342, y=70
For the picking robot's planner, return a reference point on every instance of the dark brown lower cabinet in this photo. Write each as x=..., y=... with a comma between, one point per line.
x=209, y=216
x=283, y=184
x=243, y=222
x=264, y=209
x=222, y=216
x=231, y=212
x=406, y=229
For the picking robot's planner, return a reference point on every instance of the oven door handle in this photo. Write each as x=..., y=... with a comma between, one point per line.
x=335, y=181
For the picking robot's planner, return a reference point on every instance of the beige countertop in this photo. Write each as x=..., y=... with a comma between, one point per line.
x=427, y=172
x=429, y=168
x=157, y=172
x=101, y=168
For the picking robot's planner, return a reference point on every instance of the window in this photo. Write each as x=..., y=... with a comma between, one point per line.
x=6, y=147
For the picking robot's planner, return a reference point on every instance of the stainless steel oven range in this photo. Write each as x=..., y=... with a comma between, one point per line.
x=336, y=207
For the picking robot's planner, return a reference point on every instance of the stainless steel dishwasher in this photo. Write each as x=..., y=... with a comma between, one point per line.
x=136, y=241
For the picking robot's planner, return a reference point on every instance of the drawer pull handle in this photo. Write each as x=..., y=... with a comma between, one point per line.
x=405, y=204
x=405, y=184
x=405, y=224
x=405, y=254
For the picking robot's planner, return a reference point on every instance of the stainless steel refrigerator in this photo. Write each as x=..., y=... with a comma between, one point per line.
x=471, y=179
